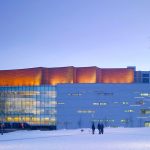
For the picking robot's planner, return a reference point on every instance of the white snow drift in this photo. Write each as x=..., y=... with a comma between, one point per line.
x=113, y=139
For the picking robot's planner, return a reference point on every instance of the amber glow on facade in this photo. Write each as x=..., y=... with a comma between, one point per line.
x=117, y=75
x=21, y=77
x=54, y=76
x=86, y=75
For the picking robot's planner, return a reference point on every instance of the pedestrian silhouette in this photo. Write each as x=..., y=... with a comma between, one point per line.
x=102, y=128
x=93, y=128
x=2, y=128
x=99, y=128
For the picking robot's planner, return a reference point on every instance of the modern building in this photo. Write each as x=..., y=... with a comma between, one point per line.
x=73, y=97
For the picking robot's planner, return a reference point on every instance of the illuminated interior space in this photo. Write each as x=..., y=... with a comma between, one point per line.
x=34, y=105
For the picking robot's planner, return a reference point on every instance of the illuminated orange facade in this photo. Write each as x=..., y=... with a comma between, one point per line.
x=99, y=75
x=21, y=77
x=54, y=76
x=86, y=75
x=121, y=75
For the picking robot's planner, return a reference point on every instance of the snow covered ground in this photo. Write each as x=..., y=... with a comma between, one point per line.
x=113, y=139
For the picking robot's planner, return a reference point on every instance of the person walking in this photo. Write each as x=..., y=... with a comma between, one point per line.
x=22, y=125
x=102, y=128
x=99, y=128
x=2, y=128
x=93, y=128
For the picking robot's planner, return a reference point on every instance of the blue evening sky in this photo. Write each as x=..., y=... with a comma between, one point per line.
x=55, y=33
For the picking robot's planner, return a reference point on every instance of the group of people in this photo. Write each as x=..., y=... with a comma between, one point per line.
x=100, y=128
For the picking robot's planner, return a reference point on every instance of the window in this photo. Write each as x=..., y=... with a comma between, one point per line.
x=129, y=111
x=103, y=120
x=124, y=120
x=51, y=94
x=60, y=103
x=116, y=102
x=100, y=104
x=105, y=94
x=145, y=111
x=86, y=111
x=28, y=93
x=125, y=103
x=145, y=94
x=145, y=80
x=74, y=94
x=145, y=75
x=147, y=124
x=141, y=102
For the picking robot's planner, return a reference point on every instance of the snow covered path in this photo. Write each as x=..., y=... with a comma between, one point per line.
x=113, y=139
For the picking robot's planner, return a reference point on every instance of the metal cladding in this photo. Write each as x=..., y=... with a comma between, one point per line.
x=54, y=76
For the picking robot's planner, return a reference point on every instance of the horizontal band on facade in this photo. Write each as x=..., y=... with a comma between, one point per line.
x=53, y=76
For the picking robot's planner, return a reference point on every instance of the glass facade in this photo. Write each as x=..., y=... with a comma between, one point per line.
x=34, y=105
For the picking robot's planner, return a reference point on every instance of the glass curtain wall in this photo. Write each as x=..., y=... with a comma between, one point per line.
x=35, y=105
